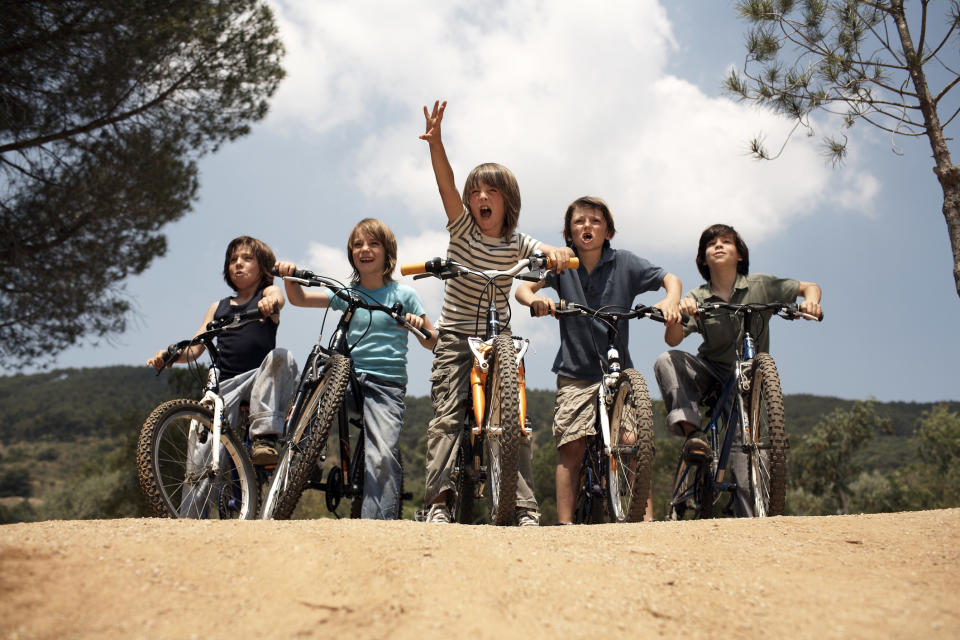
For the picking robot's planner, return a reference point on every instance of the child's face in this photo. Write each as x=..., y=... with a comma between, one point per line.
x=588, y=229
x=721, y=252
x=369, y=256
x=244, y=268
x=486, y=206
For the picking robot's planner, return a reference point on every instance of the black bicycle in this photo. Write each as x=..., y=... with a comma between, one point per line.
x=747, y=416
x=326, y=381
x=191, y=462
x=617, y=466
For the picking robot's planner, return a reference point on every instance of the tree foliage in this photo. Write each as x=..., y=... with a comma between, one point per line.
x=825, y=461
x=873, y=61
x=105, y=107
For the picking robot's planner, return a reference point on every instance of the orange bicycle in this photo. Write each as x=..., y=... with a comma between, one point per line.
x=495, y=425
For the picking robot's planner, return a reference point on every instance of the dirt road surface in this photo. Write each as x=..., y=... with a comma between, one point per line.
x=886, y=576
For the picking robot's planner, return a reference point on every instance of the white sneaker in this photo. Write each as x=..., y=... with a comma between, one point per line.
x=438, y=513
x=528, y=517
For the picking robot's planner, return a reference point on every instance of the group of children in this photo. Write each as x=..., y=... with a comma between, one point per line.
x=482, y=222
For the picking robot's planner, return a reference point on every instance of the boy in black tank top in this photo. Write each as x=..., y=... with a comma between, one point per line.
x=251, y=367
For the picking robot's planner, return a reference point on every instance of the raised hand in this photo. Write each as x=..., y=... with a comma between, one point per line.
x=433, y=120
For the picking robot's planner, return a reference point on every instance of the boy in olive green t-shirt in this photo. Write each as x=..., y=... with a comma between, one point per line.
x=723, y=260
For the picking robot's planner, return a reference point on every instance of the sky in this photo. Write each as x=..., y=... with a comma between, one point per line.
x=623, y=102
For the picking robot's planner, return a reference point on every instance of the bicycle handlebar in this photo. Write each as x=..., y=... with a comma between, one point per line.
x=786, y=310
x=307, y=278
x=444, y=268
x=609, y=314
x=214, y=328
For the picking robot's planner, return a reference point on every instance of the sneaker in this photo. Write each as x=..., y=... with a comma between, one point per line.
x=696, y=447
x=438, y=513
x=528, y=517
x=264, y=450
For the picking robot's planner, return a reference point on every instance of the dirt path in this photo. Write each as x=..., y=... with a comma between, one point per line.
x=889, y=575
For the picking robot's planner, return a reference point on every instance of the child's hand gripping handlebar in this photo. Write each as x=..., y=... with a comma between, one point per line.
x=308, y=278
x=443, y=268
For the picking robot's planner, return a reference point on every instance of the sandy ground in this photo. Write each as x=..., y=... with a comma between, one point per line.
x=889, y=575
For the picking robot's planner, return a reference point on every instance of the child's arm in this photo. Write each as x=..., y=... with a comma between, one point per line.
x=191, y=353
x=423, y=323
x=811, y=298
x=673, y=335
x=299, y=297
x=670, y=304
x=271, y=302
x=526, y=295
x=442, y=170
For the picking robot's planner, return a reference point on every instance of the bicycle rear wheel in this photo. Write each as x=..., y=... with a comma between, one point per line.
x=503, y=431
x=464, y=481
x=766, y=440
x=588, y=507
x=298, y=456
x=693, y=494
x=175, y=466
x=631, y=449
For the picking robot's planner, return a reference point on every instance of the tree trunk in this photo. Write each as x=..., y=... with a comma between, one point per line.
x=946, y=172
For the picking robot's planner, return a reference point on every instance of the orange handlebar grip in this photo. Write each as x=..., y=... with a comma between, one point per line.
x=413, y=269
x=573, y=263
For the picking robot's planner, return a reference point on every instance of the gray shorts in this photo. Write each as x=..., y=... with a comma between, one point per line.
x=575, y=411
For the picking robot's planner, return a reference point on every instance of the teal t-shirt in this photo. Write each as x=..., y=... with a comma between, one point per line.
x=382, y=350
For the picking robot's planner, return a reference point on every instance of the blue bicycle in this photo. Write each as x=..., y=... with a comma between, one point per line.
x=746, y=419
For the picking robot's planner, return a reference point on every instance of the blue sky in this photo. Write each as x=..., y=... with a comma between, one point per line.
x=622, y=102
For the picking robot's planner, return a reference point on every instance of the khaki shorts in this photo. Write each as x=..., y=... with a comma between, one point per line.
x=575, y=411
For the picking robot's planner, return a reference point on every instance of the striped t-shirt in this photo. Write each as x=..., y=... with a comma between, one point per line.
x=461, y=295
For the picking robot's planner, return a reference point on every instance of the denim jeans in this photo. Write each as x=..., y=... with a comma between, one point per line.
x=268, y=389
x=383, y=418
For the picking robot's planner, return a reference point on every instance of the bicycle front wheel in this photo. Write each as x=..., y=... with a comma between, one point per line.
x=631, y=448
x=766, y=440
x=503, y=430
x=298, y=456
x=176, y=470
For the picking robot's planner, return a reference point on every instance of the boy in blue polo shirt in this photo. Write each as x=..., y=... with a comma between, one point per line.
x=606, y=277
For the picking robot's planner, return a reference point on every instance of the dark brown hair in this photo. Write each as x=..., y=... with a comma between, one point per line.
x=587, y=202
x=715, y=231
x=265, y=259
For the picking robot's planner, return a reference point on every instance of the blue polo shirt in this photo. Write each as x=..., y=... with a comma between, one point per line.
x=615, y=281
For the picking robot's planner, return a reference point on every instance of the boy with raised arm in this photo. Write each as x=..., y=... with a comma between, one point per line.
x=482, y=223
x=605, y=277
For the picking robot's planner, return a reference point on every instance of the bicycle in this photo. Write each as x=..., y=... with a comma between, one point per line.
x=319, y=403
x=747, y=416
x=615, y=476
x=181, y=475
x=495, y=424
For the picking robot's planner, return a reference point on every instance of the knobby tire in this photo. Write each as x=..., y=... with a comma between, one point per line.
x=503, y=448
x=630, y=467
x=767, y=442
x=309, y=436
x=173, y=483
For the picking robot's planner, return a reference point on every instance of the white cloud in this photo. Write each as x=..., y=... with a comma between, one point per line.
x=573, y=102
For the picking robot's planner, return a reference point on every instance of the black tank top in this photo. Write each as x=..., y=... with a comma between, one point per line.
x=244, y=348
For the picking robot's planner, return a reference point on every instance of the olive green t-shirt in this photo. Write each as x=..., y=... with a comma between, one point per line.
x=722, y=331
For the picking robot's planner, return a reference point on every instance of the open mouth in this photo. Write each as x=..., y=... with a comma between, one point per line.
x=587, y=236
x=485, y=212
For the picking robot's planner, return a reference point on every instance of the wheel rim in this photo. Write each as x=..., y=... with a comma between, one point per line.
x=182, y=467
x=759, y=443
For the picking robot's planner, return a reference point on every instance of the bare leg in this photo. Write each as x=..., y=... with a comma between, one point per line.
x=568, y=474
